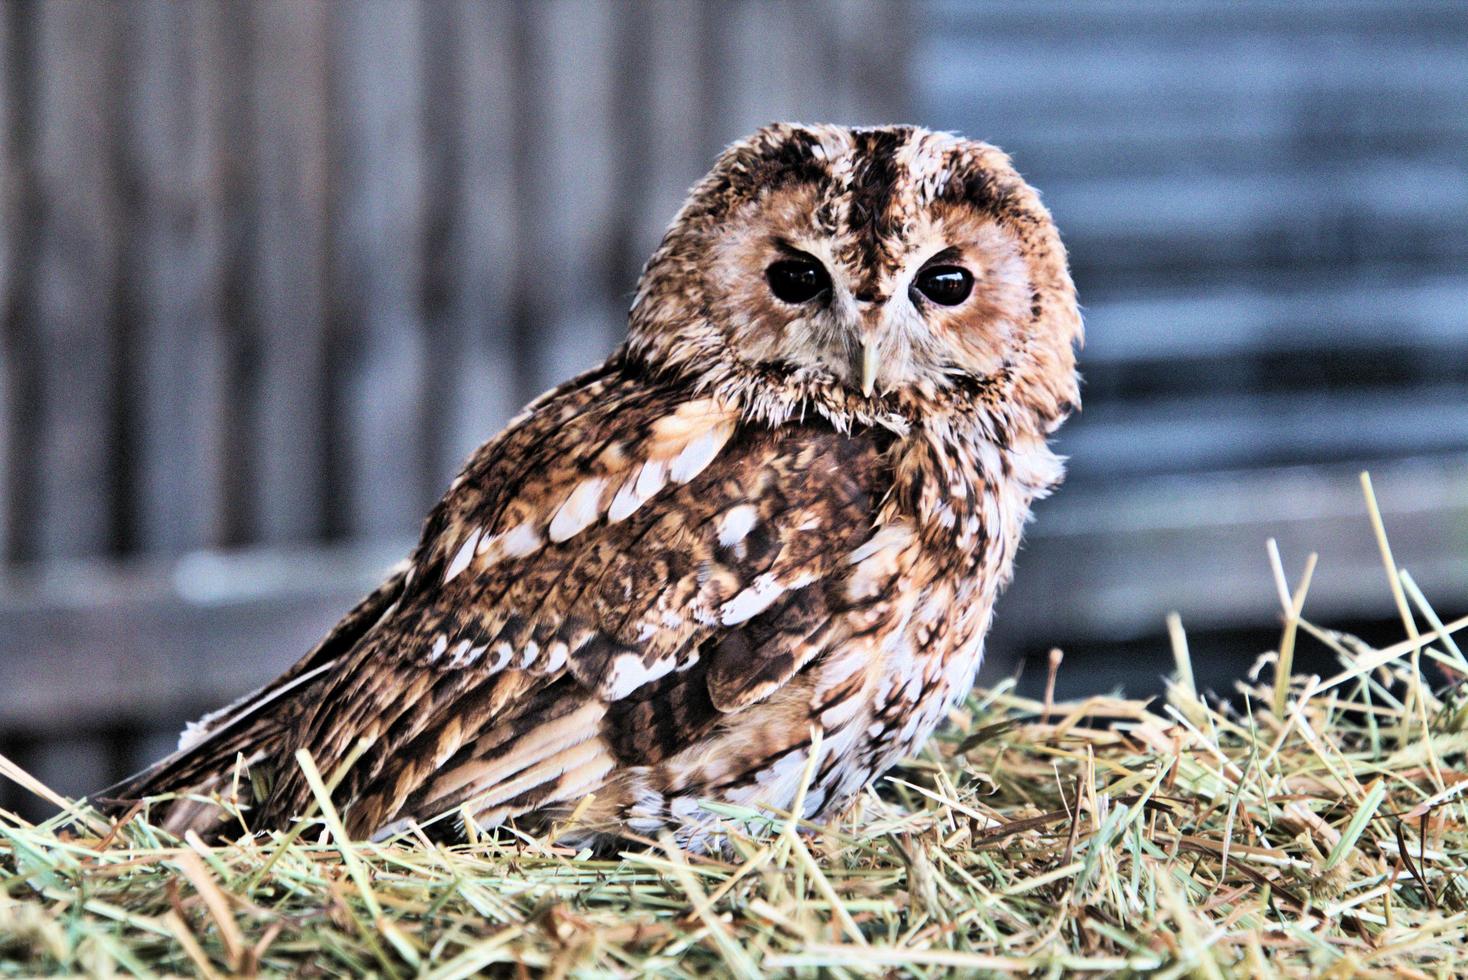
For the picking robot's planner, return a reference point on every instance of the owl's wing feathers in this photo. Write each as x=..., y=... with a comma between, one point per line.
x=587, y=602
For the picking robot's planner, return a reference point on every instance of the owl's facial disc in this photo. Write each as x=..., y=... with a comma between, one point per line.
x=800, y=280
x=878, y=314
x=892, y=262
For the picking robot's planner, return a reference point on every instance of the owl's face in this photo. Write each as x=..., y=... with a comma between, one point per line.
x=895, y=263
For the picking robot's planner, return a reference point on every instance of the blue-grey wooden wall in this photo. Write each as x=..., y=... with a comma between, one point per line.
x=269, y=269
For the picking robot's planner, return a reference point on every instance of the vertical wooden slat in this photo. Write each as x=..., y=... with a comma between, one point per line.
x=870, y=71
x=762, y=59
x=20, y=491
x=470, y=225
x=630, y=98
x=76, y=249
x=291, y=125
x=10, y=206
x=566, y=123
x=443, y=238
x=228, y=54
x=680, y=145
x=180, y=373
x=377, y=261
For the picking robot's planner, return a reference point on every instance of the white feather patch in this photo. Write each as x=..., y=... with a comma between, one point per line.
x=638, y=489
x=462, y=556
x=757, y=598
x=876, y=561
x=698, y=454
x=890, y=536
x=459, y=656
x=625, y=502
x=580, y=511
x=736, y=523
x=627, y=673
x=651, y=478
x=520, y=540
x=502, y=652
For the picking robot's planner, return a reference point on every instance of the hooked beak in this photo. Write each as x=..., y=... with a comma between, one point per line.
x=869, y=365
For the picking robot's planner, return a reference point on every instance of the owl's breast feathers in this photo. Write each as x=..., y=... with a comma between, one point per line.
x=651, y=594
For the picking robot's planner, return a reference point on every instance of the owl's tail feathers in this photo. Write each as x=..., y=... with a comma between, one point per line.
x=225, y=756
x=232, y=753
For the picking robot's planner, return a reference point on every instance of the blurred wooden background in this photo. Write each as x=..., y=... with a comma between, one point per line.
x=269, y=270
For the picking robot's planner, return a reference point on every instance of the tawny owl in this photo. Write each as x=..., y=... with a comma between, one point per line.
x=782, y=509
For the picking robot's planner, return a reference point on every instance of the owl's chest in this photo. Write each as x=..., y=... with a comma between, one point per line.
x=920, y=595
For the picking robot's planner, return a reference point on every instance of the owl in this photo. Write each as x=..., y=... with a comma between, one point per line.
x=749, y=559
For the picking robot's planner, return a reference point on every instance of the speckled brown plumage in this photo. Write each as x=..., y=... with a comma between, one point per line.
x=762, y=518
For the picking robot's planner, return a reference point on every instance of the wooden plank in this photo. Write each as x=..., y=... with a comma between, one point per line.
x=1127, y=232
x=871, y=58
x=1044, y=19
x=1145, y=89
x=755, y=80
x=1218, y=430
x=180, y=373
x=635, y=44
x=291, y=124
x=226, y=49
x=1110, y=563
x=376, y=276
x=1429, y=315
x=469, y=228
x=132, y=643
x=1179, y=72
x=1148, y=142
x=565, y=125
x=12, y=245
x=674, y=150
x=442, y=234
x=77, y=247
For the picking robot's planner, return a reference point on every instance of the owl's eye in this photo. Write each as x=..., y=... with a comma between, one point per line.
x=797, y=280
x=946, y=285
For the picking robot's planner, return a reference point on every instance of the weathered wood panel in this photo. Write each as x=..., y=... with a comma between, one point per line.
x=377, y=132
x=470, y=228
x=75, y=325
x=270, y=270
x=290, y=119
x=12, y=243
x=174, y=379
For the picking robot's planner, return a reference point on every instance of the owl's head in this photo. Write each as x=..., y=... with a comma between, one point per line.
x=897, y=264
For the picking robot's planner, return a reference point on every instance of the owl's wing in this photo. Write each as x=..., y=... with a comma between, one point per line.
x=581, y=605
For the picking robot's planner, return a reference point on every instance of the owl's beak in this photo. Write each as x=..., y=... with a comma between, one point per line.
x=869, y=365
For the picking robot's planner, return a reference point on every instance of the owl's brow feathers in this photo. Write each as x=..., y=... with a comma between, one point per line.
x=864, y=190
x=781, y=156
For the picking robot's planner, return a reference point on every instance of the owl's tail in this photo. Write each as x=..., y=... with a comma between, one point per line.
x=230, y=754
